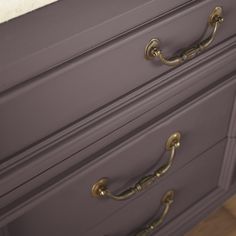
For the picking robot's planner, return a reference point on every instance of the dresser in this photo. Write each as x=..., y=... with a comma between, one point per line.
x=117, y=118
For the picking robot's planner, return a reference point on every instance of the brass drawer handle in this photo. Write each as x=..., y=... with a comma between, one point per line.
x=153, y=50
x=167, y=201
x=100, y=188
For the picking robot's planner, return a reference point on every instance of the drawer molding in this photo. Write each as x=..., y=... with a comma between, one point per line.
x=74, y=45
x=230, y=163
x=51, y=157
x=229, y=166
x=232, y=126
x=199, y=210
x=46, y=106
x=52, y=184
x=14, y=178
x=80, y=132
x=80, y=219
x=66, y=122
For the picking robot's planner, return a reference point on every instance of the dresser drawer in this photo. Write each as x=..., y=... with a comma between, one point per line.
x=88, y=26
x=189, y=188
x=72, y=92
x=202, y=123
x=188, y=185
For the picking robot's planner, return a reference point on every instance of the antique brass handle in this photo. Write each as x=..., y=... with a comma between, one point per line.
x=153, y=50
x=167, y=201
x=100, y=188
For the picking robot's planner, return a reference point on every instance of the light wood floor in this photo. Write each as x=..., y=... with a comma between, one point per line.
x=220, y=223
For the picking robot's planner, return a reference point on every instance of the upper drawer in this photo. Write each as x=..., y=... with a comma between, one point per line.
x=202, y=123
x=67, y=94
x=29, y=46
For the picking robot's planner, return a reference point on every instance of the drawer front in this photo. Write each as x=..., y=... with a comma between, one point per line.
x=202, y=123
x=189, y=187
x=63, y=96
x=88, y=26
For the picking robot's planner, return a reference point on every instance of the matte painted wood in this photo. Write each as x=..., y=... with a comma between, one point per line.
x=185, y=182
x=232, y=128
x=124, y=115
x=191, y=184
x=221, y=66
x=41, y=108
x=90, y=24
x=198, y=117
x=147, y=145
x=60, y=45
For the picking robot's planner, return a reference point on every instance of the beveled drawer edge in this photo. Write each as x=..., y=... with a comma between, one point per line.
x=101, y=117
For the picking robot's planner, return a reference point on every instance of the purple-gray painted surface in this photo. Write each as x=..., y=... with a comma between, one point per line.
x=78, y=102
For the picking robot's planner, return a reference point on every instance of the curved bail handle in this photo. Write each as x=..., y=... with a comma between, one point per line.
x=167, y=201
x=153, y=50
x=100, y=188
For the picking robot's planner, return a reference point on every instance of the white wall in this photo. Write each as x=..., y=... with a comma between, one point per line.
x=10, y=9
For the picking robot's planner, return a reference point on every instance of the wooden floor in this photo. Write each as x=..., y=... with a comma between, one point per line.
x=220, y=223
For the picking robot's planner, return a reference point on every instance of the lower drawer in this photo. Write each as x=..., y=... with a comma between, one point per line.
x=190, y=184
